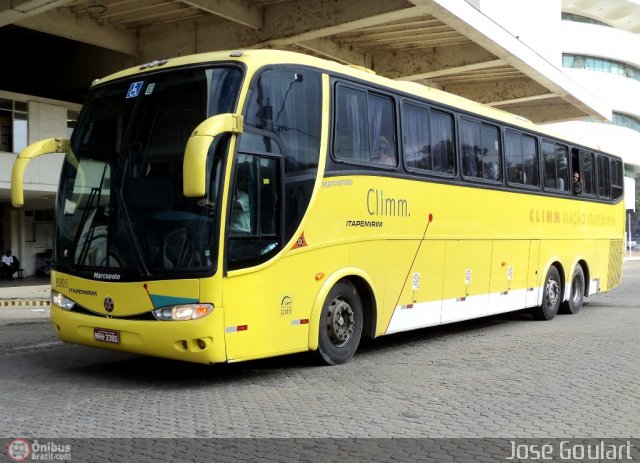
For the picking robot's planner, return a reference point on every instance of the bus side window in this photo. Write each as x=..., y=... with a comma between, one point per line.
x=521, y=152
x=555, y=166
x=562, y=159
x=442, y=138
x=382, y=130
x=470, y=147
x=604, y=181
x=415, y=135
x=285, y=108
x=617, y=179
x=530, y=160
x=587, y=169
x=254, y=221
x=428, y=139
x=351, y=140
x=513, y=156
x=480, y=145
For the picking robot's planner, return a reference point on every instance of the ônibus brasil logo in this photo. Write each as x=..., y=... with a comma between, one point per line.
x=18, y=450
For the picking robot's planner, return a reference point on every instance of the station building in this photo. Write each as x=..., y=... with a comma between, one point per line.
x=557, y=62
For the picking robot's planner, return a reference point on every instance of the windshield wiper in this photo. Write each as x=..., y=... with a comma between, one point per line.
x=81, y=226
x=131, y=237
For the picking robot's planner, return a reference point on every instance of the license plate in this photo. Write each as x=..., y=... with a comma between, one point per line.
x=109, y=336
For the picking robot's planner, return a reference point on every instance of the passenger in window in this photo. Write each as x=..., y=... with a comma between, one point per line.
x=383, y=152
x=241, y=206
x=492, y=171
x=577, y=184
x=517, y=175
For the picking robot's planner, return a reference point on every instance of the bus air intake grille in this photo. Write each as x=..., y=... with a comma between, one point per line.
x=615, y=264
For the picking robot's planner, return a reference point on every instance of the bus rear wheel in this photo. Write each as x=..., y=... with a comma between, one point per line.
x=576, y=297
x=340, y=324
x=551, y=296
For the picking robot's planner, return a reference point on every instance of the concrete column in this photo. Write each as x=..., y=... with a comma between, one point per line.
x=14, y=237
x=4, y=211
x=46, y=121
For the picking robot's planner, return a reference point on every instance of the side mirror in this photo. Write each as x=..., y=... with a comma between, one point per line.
x=50, y=145
x=194, y=173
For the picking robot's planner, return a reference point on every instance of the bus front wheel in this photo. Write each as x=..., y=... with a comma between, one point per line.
x=551, y=296
x=576, y=297
x=340, y=324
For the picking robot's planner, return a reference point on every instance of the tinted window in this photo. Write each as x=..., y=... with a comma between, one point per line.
x=415, y=137
x=588, y=172
x=428, y=139
x=288, y=104
x=442, y=139
x=521, y=153
x=555, y=171
x=351, y=140
x=121, y=202
x=480, y=150
x=382, y=130
x=365, y=127
x=604, y=181
x=530, y=154
x=617, y=180
x=254, y=215
x=284, y=113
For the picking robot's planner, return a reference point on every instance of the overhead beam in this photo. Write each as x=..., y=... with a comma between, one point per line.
x=12, y=11
x=525, y=99
x=301, y=21
x=331, y=49
x=285, y=23
x=434, y=62
x=545, y=111
x=463, y=69
x=496, y=91
x=237, y=11
x=62, y=23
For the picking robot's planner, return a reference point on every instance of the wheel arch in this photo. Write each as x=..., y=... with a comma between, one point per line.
x=365, y=288
x=369, y=306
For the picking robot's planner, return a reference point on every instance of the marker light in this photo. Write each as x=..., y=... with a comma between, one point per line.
x=183, y=312
x=61, y=301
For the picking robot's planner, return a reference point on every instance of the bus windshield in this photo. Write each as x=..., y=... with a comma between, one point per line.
x=120, y=206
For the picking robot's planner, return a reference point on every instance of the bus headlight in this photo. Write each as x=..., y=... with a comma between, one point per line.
x=62, y=301
x=183, y=312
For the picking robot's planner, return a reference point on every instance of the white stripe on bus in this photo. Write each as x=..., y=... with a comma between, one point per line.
x=425, y=314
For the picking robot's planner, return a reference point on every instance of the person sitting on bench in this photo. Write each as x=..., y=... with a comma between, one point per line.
x=9, y=265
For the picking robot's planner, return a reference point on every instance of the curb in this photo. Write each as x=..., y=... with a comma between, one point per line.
x=25, y=303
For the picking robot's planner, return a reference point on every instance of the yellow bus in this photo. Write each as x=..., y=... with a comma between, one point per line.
x=236, y=205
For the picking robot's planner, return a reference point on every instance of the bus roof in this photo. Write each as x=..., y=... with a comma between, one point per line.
x=254, y=59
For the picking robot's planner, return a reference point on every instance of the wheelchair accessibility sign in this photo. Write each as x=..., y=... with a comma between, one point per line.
x=134, y=89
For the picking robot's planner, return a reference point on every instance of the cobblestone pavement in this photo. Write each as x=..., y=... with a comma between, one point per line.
x=506, y=376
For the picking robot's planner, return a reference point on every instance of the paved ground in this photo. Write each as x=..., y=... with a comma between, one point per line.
x=509, y=376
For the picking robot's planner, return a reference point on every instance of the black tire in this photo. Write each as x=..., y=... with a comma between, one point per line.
x=340, y=324
x=576, y=297
x=551, y=296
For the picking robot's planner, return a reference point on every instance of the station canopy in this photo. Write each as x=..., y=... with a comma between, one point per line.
x=62, y=45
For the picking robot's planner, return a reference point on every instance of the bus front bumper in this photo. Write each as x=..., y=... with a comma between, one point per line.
x=199, y=341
